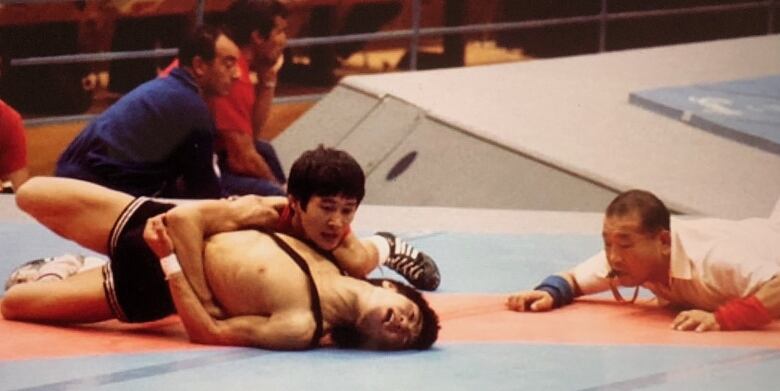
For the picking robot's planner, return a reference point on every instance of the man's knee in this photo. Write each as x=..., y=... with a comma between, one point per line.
x=29, y=197
x=14, y=303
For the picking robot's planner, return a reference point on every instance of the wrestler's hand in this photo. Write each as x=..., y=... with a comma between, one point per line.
x=695, y=320
x=158, y=240
x=256, y=211
x=277, y=203
x=535, y=301
x=156, y=236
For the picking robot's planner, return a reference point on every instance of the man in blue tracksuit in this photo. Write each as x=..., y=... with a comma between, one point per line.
x=158, y=139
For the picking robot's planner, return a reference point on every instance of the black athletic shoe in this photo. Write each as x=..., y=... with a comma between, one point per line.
x=416, y=266
x=60, y=267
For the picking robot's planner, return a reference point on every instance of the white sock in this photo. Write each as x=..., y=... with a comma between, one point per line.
x=382, y=247
x=59, y=268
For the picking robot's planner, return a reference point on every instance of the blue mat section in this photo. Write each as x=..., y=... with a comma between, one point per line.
x=747, y=111
x=468, y=262
x=500, y=263
x=508, y=366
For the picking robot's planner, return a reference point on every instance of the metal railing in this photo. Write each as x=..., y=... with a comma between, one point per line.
x=603, y=17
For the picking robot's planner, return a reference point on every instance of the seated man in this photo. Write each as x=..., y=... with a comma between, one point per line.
x=158, y=139
x=726, y=274
x=13, y=148
x=248, y=164
x=266, y=290
x=13, y=143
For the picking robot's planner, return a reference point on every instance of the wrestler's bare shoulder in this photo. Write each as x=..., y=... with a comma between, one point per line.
x=241, y=239
x=240, y=244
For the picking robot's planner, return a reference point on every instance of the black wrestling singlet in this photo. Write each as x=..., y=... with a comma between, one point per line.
x=315, y=296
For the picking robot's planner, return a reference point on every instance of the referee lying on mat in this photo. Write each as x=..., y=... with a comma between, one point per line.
x=724, y=274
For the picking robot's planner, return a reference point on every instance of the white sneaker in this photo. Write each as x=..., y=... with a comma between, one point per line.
x=416, y=266
x=60, y=268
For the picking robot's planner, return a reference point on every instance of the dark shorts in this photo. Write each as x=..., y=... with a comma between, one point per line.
x=133, y=280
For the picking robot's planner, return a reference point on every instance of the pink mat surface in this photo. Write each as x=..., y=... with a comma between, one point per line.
x=465, y=318
x=483, y=318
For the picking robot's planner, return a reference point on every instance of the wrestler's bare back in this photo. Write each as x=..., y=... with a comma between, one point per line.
x=249, y=274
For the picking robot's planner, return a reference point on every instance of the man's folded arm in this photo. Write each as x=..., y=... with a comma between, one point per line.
x=283, y=332
x=188, y=225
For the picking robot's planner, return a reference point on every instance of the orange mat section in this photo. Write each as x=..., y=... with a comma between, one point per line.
x=468, y=318
x=28, y=340
x=483, y=318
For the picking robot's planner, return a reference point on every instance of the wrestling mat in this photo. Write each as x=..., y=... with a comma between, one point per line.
x=483, y=255
x=745, y=110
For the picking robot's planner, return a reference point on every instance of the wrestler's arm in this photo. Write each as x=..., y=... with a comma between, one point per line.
x=215, y=216
x=354, y=257
x=268, y=332
x=189, y=224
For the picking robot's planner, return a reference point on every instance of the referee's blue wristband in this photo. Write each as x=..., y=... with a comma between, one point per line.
x=558, y=288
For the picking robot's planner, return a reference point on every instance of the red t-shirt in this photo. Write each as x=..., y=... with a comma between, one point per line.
x=13, y=141
x=284, y=224
x=231, y=112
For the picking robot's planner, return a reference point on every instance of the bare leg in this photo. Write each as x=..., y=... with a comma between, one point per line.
x=80, y=211
x=78, y=299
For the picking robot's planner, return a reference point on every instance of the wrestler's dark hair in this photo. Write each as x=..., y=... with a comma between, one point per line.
x=350, y=337
x=652, y=212
x=326, y=172
x=202, y=43
x=245, y=16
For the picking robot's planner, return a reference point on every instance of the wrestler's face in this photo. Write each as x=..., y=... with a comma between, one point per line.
x=267, y=50
x=390, y=321
x=635, y=256
x=326, y=219
x=219, y=74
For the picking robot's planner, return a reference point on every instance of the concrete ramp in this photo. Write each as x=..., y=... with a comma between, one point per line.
x=412, y=158
x=556, y=134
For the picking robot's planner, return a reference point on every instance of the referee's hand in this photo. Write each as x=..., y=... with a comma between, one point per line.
x=534, y=301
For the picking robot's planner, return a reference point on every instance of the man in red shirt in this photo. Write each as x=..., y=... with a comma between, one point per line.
x=13, y=144
x=13, y=147
x=249, y=165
